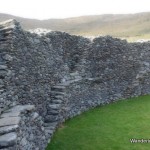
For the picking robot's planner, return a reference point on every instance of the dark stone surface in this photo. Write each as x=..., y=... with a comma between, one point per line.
x=63, y=75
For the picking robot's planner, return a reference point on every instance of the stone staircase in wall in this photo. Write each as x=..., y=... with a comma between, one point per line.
x=74, y=76
x=54, y=109
x=9, y=125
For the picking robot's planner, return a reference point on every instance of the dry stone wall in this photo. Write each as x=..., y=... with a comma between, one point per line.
x=52, y=76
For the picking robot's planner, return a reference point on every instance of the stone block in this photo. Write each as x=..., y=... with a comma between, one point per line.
x=8, y=140
x=21, y=108
x=8, y=129
x=9, y=121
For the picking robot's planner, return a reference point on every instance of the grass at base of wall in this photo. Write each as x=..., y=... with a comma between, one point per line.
x=108, y=127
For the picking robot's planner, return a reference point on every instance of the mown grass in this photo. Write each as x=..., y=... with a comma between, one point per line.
x=108, y=127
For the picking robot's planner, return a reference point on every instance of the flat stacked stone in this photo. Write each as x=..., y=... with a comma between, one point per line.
x=9, y=124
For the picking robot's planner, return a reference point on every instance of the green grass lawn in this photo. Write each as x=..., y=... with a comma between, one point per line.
x=108, y=127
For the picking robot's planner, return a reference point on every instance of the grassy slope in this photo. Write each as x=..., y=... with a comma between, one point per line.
x=130, y=26
x=107, y=128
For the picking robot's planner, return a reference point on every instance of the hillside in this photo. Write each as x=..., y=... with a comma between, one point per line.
x=130, y=26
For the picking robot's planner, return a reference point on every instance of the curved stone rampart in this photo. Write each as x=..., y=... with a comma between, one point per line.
x=63, y=75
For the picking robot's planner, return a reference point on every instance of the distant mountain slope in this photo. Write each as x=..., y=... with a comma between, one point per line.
x=129, y=25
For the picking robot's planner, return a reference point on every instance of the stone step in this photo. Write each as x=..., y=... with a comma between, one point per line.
x=49, y=131
x=66, y=83
x=74, y=74
x=58, y=96
x=8, y=140
x=58, y=88
x=9, y=121
x=54, y=106
x=8, y=129
x=53, y=112
x=56, y=101
x=51, y=118
x=51, y=125
x=57, y=93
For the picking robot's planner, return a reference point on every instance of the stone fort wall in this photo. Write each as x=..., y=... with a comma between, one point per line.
x=49, y=77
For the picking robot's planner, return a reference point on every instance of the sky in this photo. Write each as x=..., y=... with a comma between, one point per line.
x=47, y=9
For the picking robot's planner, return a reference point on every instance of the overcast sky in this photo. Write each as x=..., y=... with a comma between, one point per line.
x=46, y=9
